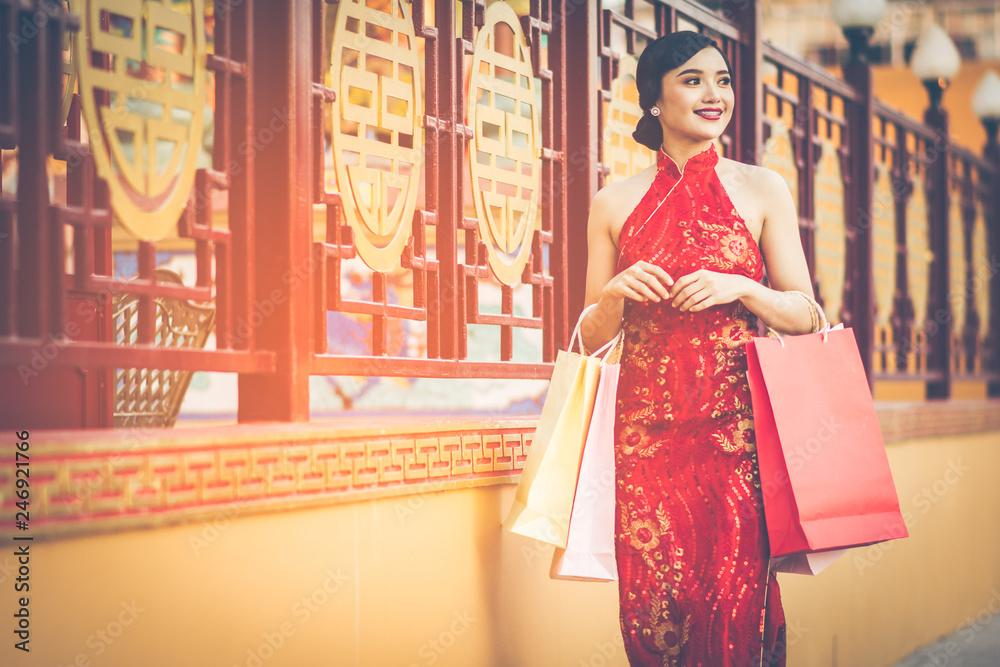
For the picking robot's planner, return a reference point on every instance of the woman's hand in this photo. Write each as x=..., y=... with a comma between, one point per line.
x=640, y=282
x=703, y=289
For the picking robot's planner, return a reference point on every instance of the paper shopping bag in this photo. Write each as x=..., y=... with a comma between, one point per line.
x=824, y=473
x=544, y=496
x=590, y=549
x=806, y=563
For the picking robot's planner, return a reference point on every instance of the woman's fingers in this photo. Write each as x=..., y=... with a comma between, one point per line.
x=684, y=287
x=683, y=282
x=640, y=286
x=690, y=296
x=662, y=275
x=654, y=276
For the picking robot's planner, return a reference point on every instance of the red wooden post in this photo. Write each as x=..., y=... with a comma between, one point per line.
x=938, y=207
x=281, y=263
x=992, y=153
x=581, y=156
x=858, y=220
x=749, y=85
x=446, y=303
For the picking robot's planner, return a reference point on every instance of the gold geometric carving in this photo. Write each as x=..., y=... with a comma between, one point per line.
x=69, y=62
x=918, y=253
x=981, y=272
x=884, y=245
x=505, y=151
x=831, y=239
x=956, y=263
x=779, y=157
x=623, y=155
x=377, y=130
x=145, y=476
x=145, y=112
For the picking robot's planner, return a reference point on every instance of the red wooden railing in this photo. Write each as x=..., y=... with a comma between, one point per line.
x=284, y=258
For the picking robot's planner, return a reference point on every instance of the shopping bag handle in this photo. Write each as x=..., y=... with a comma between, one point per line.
x=612, y=345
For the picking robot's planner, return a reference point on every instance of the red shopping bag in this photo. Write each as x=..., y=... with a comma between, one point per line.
x=824, y=473
x=590, y=549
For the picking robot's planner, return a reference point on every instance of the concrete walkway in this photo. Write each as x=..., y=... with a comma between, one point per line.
x=974, y=645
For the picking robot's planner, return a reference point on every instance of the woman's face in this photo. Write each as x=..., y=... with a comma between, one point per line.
x=696, y=99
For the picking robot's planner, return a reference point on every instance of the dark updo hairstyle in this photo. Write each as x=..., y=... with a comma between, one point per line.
x=659, y=57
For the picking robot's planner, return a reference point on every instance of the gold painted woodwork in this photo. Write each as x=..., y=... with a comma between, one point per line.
x=899, y=390
x=623, y=155
x=956, y=263
x=141, y=476
x=378, y=111
x=918, y=252
x=505, y=150
x=968, y=389
x=884, y=246
x=779, y=156
x=830, y=238
x=153, y=396
x=982, y=273
x=884, y=270
x=157, y=98
x=69, y=61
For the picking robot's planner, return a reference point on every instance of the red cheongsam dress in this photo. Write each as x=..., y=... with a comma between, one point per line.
x=689, y=531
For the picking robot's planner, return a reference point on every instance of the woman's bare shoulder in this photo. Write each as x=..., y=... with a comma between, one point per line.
x=754, y=191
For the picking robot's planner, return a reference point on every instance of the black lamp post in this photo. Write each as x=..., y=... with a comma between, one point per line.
x=858, y=18
x=986, y=105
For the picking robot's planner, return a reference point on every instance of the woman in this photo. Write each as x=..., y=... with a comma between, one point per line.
x=675, y=256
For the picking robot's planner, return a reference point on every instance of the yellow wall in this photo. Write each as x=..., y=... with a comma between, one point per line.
x=431, y=579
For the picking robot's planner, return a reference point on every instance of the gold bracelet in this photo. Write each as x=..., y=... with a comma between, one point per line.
x=814, y=310
x=817, y=318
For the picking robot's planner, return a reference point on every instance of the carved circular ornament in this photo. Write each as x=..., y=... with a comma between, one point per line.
x=376, y=125
x=624, y=155
x=504, y=154
x=144, y=110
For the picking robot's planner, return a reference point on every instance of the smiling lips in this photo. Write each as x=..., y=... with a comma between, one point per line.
x=713, y=113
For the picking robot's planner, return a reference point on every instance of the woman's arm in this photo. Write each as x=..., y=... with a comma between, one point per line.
x=786, y=265
x=641, y=281
x=785, y=261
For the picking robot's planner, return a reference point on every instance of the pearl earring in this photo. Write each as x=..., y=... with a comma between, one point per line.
x=655, y=111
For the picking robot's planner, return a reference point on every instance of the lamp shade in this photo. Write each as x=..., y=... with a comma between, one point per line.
x=857, y=13
x=986, y=99
x=935, y=55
